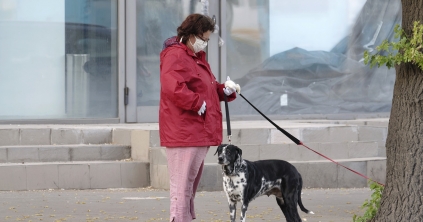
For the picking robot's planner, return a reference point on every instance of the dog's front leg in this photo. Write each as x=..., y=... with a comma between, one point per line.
x=232, y=210
x=244, y=211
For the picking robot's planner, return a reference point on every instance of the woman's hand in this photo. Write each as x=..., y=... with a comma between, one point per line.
x=231, y=87
x=202, y=109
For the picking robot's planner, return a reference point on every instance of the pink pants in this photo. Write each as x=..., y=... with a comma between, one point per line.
x=185, y=166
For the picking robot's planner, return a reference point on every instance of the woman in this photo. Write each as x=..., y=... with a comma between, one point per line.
x=190, y=117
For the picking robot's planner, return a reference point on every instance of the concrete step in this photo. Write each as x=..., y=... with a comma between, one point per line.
x=243, y=132
x=329, y=137
x=74, y=175
x=289, y=152
x=55, y=153
x=49, y=135
x=307, y=134
x=315, y=174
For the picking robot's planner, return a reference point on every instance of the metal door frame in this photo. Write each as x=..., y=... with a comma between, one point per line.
x=143, y=114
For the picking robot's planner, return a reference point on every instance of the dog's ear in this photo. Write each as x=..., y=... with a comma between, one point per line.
x=239, y=151
x=219, y=148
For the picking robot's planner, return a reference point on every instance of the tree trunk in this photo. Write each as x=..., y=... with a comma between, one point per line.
x=402, y=198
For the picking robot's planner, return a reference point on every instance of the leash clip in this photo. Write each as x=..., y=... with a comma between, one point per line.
x=229, y=139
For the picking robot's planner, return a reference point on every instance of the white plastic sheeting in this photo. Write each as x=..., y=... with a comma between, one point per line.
x=297, y=81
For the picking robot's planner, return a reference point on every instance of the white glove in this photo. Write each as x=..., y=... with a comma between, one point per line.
x=231, y=87
x=202, y=109
x=228, y=91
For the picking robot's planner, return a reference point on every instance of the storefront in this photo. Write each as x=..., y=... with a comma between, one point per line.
x=97, y=61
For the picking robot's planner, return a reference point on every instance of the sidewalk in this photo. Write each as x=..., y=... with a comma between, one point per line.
x=144, y=204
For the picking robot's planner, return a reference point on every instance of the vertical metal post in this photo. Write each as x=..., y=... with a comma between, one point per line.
x=121, y=60
x=224, y=36
x=131, y=62
x=213, y=48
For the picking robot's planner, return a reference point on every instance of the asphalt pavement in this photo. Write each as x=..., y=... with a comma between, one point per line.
x=146, y=204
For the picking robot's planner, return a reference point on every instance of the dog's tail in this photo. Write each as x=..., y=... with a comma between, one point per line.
x=300, y=203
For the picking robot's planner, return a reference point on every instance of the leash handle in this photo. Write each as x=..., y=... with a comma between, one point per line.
x=228, y=121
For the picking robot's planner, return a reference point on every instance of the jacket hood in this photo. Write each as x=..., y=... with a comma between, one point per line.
x=169, y=42
x=173, y=42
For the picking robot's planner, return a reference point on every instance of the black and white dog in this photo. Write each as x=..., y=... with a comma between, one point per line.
x=243, y=181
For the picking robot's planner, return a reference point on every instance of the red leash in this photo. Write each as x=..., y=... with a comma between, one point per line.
x=298, y=142
x=339, y=164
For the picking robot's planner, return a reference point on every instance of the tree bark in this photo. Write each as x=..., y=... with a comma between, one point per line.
x=402, y=198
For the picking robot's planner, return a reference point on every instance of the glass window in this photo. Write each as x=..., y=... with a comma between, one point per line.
x=156, y=21
x=305, y=57
x=58, y=59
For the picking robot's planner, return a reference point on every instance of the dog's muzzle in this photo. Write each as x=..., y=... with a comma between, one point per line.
x=220, y=160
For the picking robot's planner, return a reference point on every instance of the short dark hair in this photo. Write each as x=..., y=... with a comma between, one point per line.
x=194, y=24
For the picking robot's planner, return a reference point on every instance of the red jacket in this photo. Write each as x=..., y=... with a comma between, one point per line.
x=186, y=81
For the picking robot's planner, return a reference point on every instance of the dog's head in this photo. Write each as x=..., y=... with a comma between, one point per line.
x=227, y=154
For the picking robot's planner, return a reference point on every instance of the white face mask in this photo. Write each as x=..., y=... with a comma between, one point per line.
x=198, y=44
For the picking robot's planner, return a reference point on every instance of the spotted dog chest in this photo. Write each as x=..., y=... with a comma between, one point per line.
x=234, y=186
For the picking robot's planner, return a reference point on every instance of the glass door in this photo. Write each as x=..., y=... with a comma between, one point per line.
x=58, y=60
x=151, y=22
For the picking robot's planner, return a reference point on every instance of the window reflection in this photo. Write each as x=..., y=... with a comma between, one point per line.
x=305, y=57
x=58, y=59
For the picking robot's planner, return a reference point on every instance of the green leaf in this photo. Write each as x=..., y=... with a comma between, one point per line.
x=405, y=49
x=371, y=205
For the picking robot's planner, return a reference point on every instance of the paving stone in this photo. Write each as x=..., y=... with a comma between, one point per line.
x=290, y=152
x=97, y=136
x=154, y=138
x=54, y=153
x=22, y=154
x=249, y=152
x=376, y=170
x=74, y=176
x=135, y=174
x=115, y=152
x=301, y=153
x=105, y=175
x=277, y=151
x=277, y=137
x=121, y=136
x=330, y=134
x=159, y=176
x=158, y=156
x=318, y=174
x=315, y=134
x=211, y=179
x=35, y=137
x=338, y=150
x=210, y=157
x=66, y=136
x=42, y=177
x=140, y=145
x=363, y=149
x=9, y=137
x=85, y=153
x=370, y=133
x=382, y=151
x=348, y=179
x=3, y=154
x=13, y=177
x=248, y=136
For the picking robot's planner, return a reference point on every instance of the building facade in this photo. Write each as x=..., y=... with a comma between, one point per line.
x=97, y=61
